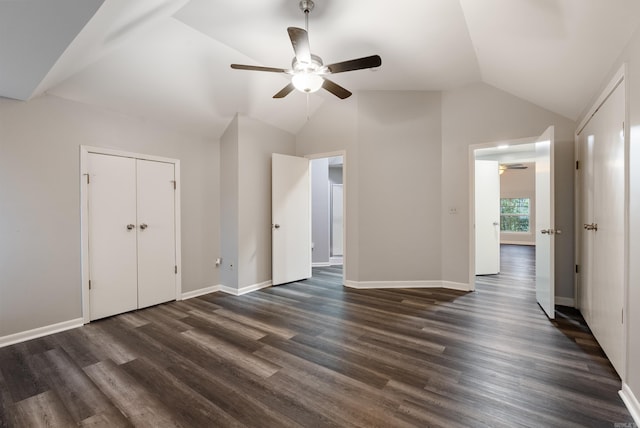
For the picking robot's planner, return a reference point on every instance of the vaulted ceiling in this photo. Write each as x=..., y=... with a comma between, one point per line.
x=168, y=60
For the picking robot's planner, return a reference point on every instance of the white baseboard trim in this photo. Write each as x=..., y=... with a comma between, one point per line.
x=565, y=301
x=200, y=292
x=23, y=336
x=321, y=264
x=407, y=284
x=460, y=286
x=333, y=261
x=245, y=289
x=631, y=402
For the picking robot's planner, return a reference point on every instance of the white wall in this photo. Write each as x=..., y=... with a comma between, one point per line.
x=320, y=214
x=480, y=113
x=520, y=183
x=40, y=203
x=399, y=181
x=229, y=206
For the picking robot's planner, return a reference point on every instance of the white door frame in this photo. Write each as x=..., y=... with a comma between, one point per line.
x=342, y=153
x=472, y=197
x=84, y=216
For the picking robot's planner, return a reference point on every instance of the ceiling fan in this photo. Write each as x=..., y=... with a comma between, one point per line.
x=308, y=73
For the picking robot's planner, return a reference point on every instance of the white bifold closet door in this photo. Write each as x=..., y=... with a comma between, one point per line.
x=131, y=216
x=602, y=185
x=156, y=233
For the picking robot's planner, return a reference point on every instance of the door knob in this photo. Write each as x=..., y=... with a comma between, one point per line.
x=131, y=226
x=143, y=226
x=277, y=226
x=547, y=231
x=592, y=226
x=495, y=223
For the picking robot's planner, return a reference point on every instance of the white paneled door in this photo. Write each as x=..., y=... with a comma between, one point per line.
x=487, y=197
x=291, y=218
x=602, y=240
x=545, y=223
x=132, y=233
x=156, y=233
x=112, y=235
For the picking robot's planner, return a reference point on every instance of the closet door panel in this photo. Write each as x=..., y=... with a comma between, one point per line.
x=602, y=190
x=112, y=235
x=608, y=273
x=156, y=233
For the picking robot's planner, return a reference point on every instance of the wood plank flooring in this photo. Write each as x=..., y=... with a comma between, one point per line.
x=316, y=354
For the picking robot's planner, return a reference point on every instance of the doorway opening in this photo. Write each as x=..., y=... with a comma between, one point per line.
x=328, y=214
x=505, y=210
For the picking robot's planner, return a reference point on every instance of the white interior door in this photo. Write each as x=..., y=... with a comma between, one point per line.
x=545, y=223
x=602, y=237
x=487, y=197
x=112, y=235
x=291, y=218
x=156, y=233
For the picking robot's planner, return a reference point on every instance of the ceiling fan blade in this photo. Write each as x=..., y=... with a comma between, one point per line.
x=336, y=89
x=356, y=64
x=258, y=68
x=285, y=91
x=300, y=42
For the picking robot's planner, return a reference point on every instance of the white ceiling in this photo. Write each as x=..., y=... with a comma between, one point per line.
x=168, y=60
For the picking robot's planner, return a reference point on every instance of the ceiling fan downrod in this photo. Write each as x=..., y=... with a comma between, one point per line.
x=306, y=6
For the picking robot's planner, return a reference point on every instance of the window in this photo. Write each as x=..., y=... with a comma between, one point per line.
x=514, y=215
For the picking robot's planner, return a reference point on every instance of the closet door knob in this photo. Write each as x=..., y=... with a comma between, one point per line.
x=131, y=226
x=143, y=226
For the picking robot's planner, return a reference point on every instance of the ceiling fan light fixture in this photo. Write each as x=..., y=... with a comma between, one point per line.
x=307, y=82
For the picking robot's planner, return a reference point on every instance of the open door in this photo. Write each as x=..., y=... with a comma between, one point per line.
x=545, y=224
x=291, y=218
x=487, y=196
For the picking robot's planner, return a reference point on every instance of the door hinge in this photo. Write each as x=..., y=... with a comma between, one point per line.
x=176, y=268
x=577, y=269
x=88, y=179
x=622, y=315
x=577, y=164
x=174, y=184
x=89, y=284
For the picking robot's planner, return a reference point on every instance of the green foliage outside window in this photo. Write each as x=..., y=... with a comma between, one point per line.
x=514, y=215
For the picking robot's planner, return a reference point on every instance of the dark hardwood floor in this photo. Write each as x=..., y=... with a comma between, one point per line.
x=315, y=354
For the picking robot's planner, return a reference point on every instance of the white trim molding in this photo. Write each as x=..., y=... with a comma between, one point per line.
x=23, y=336
x=200, y=292
x=246, y=289
x=335, y=261
x=321, y=264
x=363, y=285
x=631, y=402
